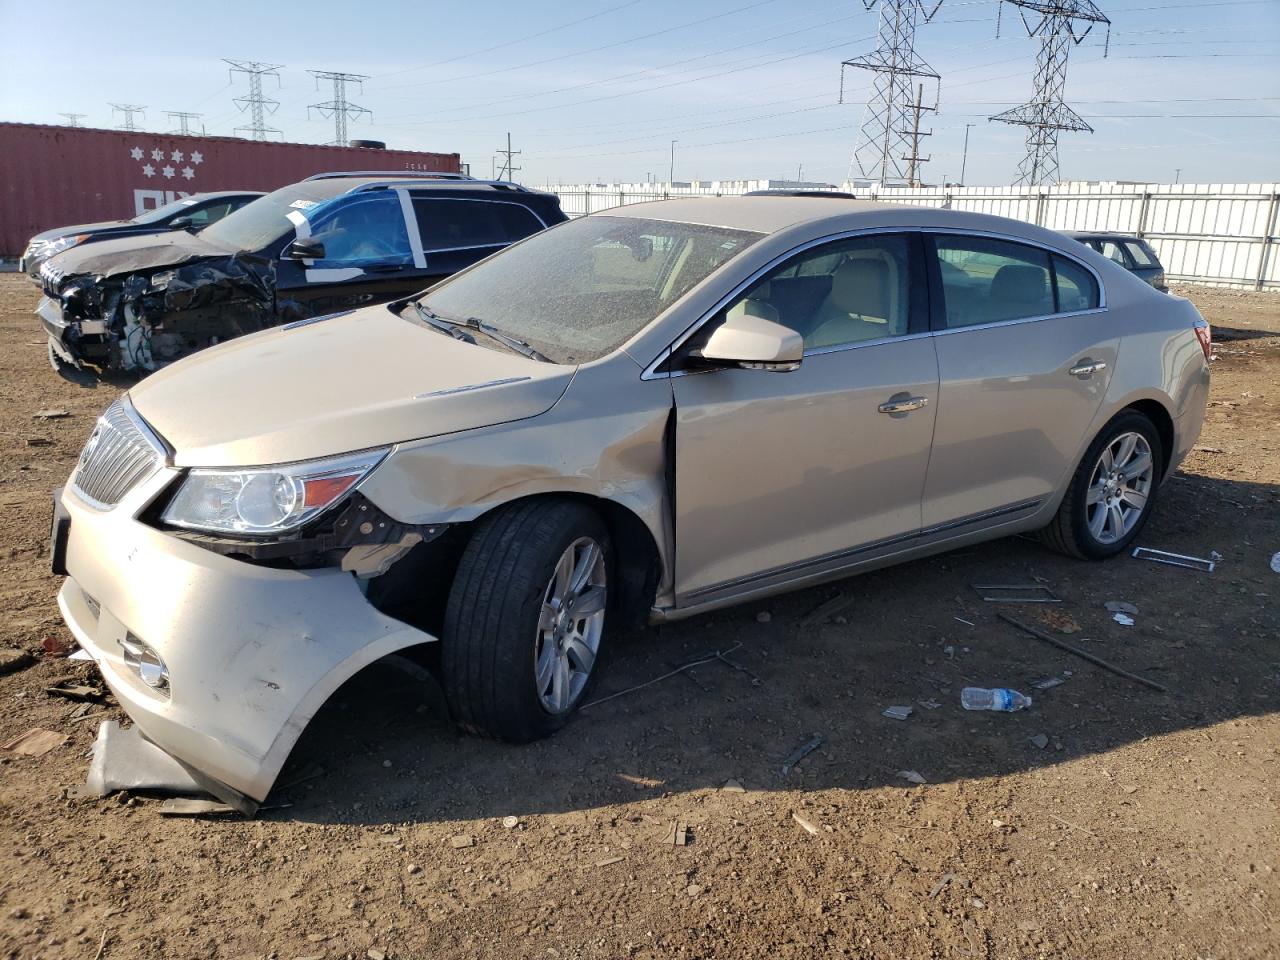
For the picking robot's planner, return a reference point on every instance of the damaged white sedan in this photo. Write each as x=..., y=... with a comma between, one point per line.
x=638, y=415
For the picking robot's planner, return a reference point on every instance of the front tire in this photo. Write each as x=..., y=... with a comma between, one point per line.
x=1112, y=491
x=524, y=623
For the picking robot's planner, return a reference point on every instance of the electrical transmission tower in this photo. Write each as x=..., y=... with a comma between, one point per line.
x=73, y=119
x=340, y=108
x=1062, y=24
x=507, y=171
x=257, y=105
x=128, y=109
x=185, y=124
x=887, y=124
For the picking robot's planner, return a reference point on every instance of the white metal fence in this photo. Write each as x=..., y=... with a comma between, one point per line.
x=1223, y=234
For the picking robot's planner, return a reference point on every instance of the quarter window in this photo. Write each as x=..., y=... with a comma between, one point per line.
x=840, y=293
x=1139, y=254
x=1077, y=289
x=986, y=280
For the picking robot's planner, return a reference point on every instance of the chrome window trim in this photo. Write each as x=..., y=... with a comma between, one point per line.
x=650, y=372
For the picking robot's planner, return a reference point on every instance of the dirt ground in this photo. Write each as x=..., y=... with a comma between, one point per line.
x=1147, y=826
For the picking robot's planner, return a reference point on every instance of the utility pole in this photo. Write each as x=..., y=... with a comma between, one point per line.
x=128, y=109
x=1177, y=173
x=257, y=105
x=895, y=64
x=671, y=175
x=73, y=119
x=339, y=108
x=184, y=120
x=913, y=159
x=1062, y=24
x=964, y=159
x=507, y=171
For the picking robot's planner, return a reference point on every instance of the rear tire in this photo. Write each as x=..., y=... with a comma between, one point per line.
x=1112, y=491
x=518, y=653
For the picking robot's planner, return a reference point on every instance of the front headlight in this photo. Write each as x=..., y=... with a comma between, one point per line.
x=266, y=500
x=64, y=243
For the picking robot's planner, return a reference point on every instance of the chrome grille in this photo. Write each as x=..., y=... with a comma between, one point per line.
x=119, y=455
x=50, y=279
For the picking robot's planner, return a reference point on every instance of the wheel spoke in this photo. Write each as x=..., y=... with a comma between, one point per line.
x=582, y=656
x=591, y=601
x=1108, y=462
x=1097, y=521
x=560, y=682
x=1127, y=444
x=563, y=576
x=1138, y=466
x=585, y=566
x=1116, y=521
x=1095, y=493
x=546, y=618
x=1135, y=498
x=546, y=665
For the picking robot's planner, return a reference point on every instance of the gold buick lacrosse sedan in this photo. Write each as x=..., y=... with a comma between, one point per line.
x=642, y=414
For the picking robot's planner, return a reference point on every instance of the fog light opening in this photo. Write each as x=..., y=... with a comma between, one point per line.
x=146, y=662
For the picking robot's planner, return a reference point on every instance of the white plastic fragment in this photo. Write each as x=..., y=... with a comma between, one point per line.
x=1123, y=619
x=897, y=713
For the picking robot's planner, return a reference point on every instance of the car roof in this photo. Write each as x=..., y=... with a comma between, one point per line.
x=1100, y=234
x=759, y=214
x=220, y=194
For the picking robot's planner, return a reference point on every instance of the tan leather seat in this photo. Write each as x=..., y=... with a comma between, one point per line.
x=859, y=306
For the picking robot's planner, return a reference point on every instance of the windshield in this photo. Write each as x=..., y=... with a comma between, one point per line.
x=264, y=221
x=582, y=289
x=161, y=214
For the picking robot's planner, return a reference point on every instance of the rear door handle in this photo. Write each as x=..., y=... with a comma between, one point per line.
x=903, y=406
x=1087, y=367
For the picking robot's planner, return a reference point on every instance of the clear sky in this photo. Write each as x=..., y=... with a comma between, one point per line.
x=597, y=89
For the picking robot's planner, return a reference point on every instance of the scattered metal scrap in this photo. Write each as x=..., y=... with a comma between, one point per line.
x=1174, y=559
x=1084, y=655
x=1015, y=593
x=722, y=655
x=800, y=752
x=36, y=742
x=897, y=712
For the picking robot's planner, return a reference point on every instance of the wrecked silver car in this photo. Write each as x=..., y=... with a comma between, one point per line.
x=332, y=242
x=639, y=415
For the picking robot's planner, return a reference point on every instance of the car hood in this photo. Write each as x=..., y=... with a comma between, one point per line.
x=103, y=227
x=109, y=258
x=332, y=385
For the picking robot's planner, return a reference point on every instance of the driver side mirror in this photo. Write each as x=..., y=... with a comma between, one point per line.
x=304, y=248
x=180, y=223
x=754, y=343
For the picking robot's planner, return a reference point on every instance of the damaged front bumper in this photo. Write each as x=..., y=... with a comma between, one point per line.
x=249, y=652
x=68, y=338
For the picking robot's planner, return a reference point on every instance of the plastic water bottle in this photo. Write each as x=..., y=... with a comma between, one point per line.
x=979, y=698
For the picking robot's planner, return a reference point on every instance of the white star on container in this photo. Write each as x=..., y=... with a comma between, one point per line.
x=197, y=157
x=148, y=170
x=176, y=156
x=168, y=171
x=157, y=154
x=188, y=172
x=136, y=153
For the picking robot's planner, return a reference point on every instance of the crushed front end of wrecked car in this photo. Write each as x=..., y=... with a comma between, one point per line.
x=219, y=649
x=139, y=316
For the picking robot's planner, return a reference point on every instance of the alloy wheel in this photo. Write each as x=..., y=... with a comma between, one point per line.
x=1119, y=488
x=570, y=625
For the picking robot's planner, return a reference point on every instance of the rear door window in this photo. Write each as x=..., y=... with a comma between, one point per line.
x=986, y=280
x=447, y=224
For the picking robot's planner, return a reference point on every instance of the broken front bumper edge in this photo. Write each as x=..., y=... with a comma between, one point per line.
x=252, y=652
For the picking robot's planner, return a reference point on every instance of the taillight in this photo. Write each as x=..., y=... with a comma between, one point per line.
x=1204, y=335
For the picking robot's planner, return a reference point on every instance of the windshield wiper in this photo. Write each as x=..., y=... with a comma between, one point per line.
x=437, y=322
x=519, y=346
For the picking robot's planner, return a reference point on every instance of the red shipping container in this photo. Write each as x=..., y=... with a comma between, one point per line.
x=54, y=176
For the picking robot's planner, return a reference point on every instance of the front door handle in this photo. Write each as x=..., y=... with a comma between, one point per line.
x=1087, y=368
x=905, y=405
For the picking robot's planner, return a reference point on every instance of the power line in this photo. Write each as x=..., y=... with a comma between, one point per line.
x=339, y=108
x=895, y=64
x=257, y=104
x=185, y=122
x=73, y=119
x=1062, y=25
x=128, y=109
